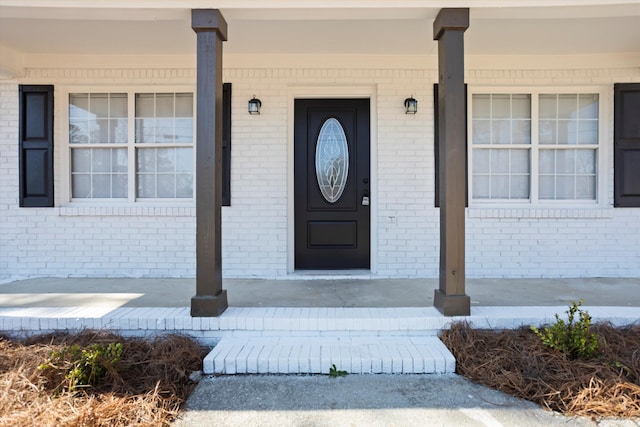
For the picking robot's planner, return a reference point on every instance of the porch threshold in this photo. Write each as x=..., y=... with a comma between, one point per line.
x=330, y=274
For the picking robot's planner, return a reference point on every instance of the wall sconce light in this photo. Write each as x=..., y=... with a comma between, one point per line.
x=411, y=105
x=254, y=105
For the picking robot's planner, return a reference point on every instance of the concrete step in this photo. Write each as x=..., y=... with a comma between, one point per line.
x=316, y=355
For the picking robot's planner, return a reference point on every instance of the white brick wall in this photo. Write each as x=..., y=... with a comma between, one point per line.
x=160, y=241
x=10, y=225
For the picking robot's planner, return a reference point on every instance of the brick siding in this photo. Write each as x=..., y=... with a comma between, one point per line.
x=138, y=241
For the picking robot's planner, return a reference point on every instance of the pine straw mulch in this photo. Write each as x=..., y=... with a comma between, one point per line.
x=516, y=362
x=148, y=388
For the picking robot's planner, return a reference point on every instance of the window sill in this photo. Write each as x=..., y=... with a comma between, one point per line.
x=540, y=213
x=182, y=210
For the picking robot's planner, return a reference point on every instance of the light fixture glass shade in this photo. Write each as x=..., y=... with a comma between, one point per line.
x=254, y=105
x=411, y=105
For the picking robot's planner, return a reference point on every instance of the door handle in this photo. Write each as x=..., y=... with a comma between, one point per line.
x=365, y=199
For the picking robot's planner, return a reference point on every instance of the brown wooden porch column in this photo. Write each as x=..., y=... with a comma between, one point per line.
x=448, y=29
x=211, y=29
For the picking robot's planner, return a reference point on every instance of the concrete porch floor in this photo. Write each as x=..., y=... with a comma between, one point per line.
x=148, y=292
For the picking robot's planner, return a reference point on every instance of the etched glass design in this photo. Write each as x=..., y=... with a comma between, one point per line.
x=332, y=160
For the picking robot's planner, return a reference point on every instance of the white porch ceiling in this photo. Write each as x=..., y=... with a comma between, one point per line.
x=589, y=27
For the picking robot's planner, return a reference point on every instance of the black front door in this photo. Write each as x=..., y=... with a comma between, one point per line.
x=332, y=189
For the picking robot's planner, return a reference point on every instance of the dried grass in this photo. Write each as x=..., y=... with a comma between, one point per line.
x=147, y=389
x=516, y=362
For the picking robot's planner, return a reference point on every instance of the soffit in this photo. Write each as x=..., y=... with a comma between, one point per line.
x=385, y=30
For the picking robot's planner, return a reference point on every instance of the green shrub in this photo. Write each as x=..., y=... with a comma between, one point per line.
x=84, y=367
x=574, y=337
x=335, y=372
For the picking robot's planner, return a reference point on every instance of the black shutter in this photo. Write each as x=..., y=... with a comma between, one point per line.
x=626, y=142
x=436, y=147
x=36, y=146
x=226, y=144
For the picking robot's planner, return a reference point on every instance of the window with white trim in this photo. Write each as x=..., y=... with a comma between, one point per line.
x=534, y=147
x=131, y=146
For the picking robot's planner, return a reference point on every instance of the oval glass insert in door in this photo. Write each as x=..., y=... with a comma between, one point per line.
x=332, y=160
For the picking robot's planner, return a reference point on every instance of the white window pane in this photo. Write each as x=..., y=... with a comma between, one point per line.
x=164, y=130
x=101, y=160
x=184, y=186
x=588, y=132
x=81, y=186
x=111, y=130
x=145, y=130
x=166, y=126
x=184, y=105
x=481, y=161
x=481, y=106
x=520, y=161
x=546, y=188
x=119, y=132
x=81, y=160
x=567, y=106
x=101, y=186
x=567, y=132
x=78, y=132
x=119, y=185
x=165, y=172
x=547, y=131
x=166, y=186
x=501, y=106
x=500, y=161
x=481, y=132
x=119, y=160
x=184, y=130
x=565, y=188
x=79, y=106
x=500, y=131
x=508, y=172
x=481, y=187
x=118, y=105
x=146, y=160
x=500, y=187
x=519, y=187
x=145, y=105
x=99, y=105
x=547, y=161
x=521, y=132
x=184, y=159
x=588, y=106
x=97, y=178
x=566, y=162
x=521, y=106
x=586, y=161
x=164, y=105
x=586, y=187
x=99, y=131
x=166, y=160
x=146, y=185
x=94, y=132
x=547, y=106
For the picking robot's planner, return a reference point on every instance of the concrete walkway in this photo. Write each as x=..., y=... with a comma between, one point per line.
x=366, y=401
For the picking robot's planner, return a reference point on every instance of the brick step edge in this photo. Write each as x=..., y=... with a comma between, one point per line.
x=304, y=355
